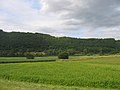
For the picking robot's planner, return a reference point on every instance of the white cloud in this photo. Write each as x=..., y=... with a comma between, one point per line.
x=80, y=18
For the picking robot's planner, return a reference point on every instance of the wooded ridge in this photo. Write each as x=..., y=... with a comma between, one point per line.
x=18, y=43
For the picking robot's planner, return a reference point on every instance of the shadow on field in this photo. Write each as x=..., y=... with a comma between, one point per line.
x=7, y=62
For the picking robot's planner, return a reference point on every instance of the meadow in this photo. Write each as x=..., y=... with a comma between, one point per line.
x=79, y=71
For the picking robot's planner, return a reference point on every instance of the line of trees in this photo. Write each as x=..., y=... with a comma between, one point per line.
x=18, y=43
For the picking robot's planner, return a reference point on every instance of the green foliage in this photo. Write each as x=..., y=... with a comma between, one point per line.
x=63, y=55
x=29, y=56
x=71, y=51
x=18, y=43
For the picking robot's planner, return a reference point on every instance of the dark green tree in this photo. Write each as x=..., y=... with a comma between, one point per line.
x=63, y=55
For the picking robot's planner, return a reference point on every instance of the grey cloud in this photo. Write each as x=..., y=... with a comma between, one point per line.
x=92, y=13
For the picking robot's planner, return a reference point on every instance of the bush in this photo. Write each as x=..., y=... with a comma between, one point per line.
x=29, y=56
x=63, y=55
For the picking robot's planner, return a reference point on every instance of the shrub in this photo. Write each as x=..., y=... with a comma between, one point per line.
x=63, y=55
x=29, y=56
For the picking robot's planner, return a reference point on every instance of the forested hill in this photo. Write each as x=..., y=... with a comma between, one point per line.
x=17, y=43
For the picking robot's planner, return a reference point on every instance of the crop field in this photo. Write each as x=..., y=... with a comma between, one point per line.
x=79, y=71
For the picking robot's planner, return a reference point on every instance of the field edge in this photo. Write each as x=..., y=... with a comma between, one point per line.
x=15, y=85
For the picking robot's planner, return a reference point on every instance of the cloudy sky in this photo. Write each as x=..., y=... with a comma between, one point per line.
x=74, y=18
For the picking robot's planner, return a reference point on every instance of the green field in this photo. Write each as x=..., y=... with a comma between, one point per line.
x=79, y=71
x=23, y=59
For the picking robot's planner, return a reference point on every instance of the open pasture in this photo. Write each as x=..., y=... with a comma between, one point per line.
x=79, y=71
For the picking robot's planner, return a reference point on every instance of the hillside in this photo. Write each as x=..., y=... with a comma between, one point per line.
x=17, y=43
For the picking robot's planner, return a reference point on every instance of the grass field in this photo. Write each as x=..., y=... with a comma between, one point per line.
x=78, y=71
x=23, y=59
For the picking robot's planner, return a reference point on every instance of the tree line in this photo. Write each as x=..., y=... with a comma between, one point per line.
x=20, y=43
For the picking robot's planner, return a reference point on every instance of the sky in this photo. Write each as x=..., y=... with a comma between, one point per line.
x=71, y=18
